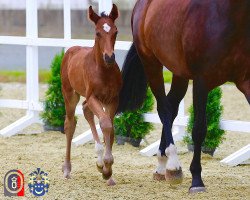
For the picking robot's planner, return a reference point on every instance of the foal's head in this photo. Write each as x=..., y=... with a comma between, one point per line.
x=106, y=32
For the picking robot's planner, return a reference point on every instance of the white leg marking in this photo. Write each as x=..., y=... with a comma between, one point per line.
x=99, y=150
x=173, y=162
x=162, y=161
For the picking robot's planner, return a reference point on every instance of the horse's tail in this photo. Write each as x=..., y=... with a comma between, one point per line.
x=133, y=92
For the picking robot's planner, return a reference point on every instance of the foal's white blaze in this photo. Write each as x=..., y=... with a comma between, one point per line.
x=106, y=27
x=173, y=162
x=99, y=150
x=162, y=160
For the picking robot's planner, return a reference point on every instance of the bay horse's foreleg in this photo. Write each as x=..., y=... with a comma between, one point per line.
x=71, y=99
x=106, y=125
x=200, y=94
x=89, y=116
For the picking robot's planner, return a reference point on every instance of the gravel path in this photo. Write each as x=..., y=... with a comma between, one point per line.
x=132, y=172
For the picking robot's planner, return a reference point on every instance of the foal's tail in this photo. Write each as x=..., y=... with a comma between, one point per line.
x=133, y=92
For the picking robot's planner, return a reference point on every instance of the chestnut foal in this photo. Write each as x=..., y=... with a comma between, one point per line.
x=94, y=74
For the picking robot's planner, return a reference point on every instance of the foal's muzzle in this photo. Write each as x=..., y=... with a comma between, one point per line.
x=109, y=59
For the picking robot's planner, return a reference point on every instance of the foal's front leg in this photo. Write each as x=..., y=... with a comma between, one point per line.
x=89, y=116
x=107, y=128
x=110, y=109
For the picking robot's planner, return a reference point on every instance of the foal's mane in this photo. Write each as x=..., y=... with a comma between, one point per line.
x=103, y=14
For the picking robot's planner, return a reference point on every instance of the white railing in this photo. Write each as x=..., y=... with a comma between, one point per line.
x=32, y=104
x=32, y=42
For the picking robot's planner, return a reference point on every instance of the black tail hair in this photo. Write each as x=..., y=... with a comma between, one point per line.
x=134, y=89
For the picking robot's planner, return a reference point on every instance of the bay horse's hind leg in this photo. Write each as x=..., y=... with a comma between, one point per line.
x=89, y=116
x=71, y=99
x=200, y=94
x=172, y=100
x=244, y=87
x=167, y=107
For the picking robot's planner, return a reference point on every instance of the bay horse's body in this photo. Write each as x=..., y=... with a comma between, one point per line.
x=207, y=41
x=94, y=74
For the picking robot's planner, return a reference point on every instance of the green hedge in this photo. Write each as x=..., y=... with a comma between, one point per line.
x=132, y=124
x=215, y=135
x=54, y=108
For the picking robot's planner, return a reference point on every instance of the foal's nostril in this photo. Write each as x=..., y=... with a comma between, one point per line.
x=113, y=56
x=106, y=57
x=109, y=59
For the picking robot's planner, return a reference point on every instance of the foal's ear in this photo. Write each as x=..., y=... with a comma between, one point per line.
x=114, y=13
x=92, y=15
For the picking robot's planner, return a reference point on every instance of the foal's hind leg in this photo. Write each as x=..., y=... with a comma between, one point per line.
x=71, y=99
x=89, y=116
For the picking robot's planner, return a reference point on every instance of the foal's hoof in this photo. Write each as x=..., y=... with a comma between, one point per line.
x=66, y=169
x=99, y=168
x=174, y=177
x=111, y=182
x=106, y=175
x=158, y=177
x=194, y=190
x=66, y=175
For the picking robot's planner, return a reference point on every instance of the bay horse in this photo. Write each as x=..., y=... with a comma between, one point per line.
x=94, y=74
x=207, y=41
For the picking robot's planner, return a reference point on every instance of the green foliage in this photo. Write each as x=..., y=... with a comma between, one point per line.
x=131, y=124
x=167, y=75
x=214, y=136
x=54, y=110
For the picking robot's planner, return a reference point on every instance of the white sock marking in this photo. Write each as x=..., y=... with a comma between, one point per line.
x=99, y=150
x=173, y=162
x=162, y=160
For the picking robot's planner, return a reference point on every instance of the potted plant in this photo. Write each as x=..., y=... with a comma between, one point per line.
x=215, y=135
x=120, y=130
x=131, y=127
x=53, y=115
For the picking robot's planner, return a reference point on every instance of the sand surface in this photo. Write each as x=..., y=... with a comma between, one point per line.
x=132, y=172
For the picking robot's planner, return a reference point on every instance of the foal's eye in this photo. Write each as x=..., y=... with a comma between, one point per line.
x=98, y=34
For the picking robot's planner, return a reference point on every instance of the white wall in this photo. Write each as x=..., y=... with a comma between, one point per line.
x=58, y=4
x=43, y=4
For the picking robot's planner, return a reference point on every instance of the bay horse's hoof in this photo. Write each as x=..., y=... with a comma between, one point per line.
x=158, y=177
x=194, y=190
x=99, y=168
x=174, y=177
x=111, y=182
